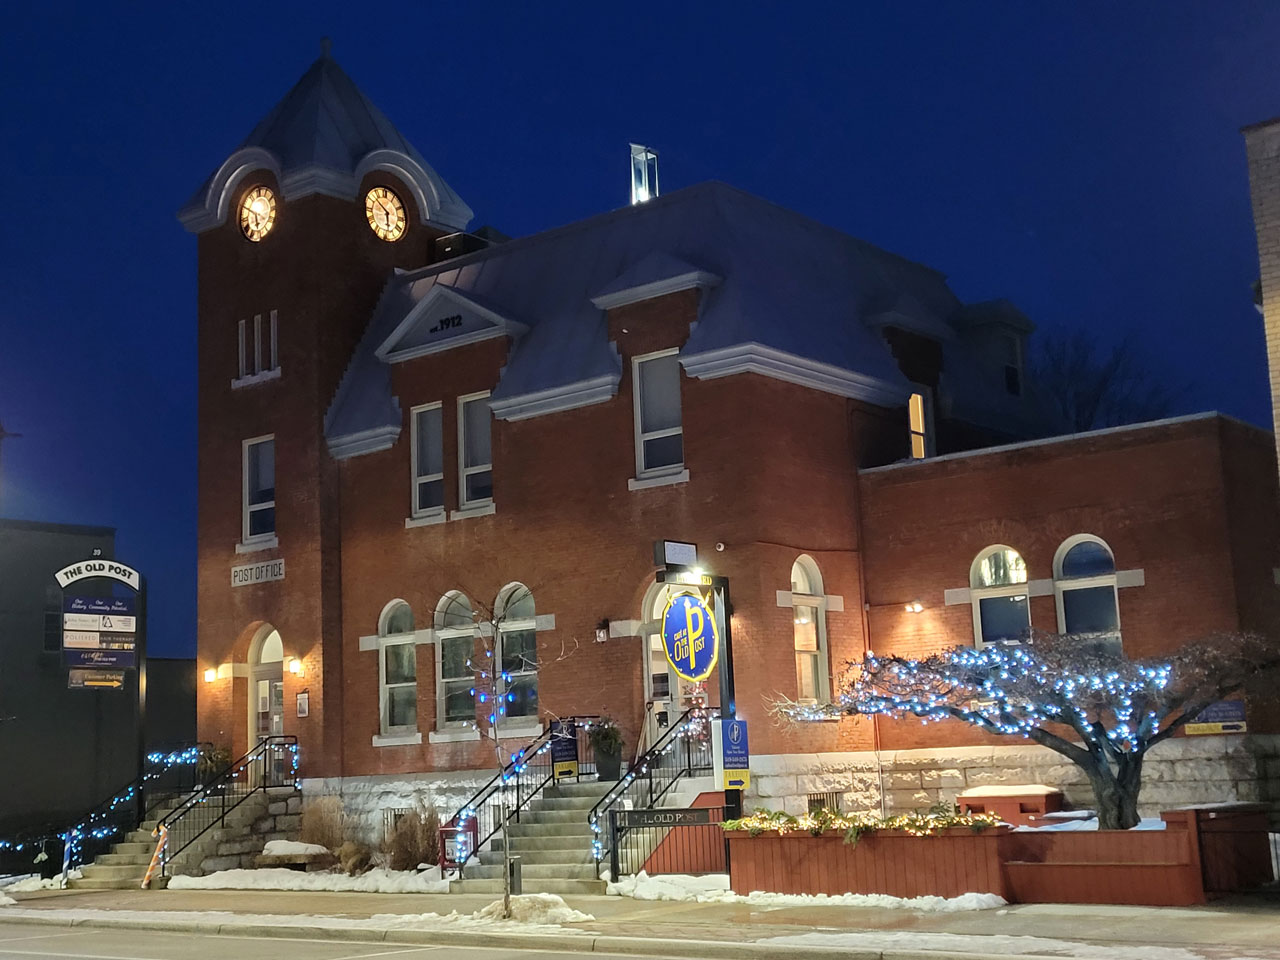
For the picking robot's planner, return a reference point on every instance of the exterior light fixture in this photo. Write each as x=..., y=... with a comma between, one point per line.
x=915, y=606
x=295, y=666
x=210, y=675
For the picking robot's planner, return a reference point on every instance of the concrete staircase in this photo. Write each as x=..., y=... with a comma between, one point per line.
x=125, y=866
x=553, y=842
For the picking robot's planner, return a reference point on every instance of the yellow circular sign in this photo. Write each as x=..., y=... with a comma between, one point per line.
x=690, y=637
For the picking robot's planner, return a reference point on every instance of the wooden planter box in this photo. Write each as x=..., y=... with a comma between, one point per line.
x=947, y=864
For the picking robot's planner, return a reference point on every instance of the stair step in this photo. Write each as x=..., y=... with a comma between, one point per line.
x=106, y=883
x=113, y=871
x=119, y=859
x=567, y=828
x=563, y=843
x=575, y=815
x=578, y=804
x=529, y=885
x=533, y=871
x=582, y=788
x=576, y=855
x=130, y=848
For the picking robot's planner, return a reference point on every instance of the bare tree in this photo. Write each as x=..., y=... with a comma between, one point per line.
x=1083, y=388
x=1076, y=695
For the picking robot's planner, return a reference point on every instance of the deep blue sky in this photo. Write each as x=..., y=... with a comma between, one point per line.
x=1082, y=159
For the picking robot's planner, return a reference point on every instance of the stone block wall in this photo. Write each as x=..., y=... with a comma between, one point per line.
x=1178, y=772
x=276, y=815
x=365, y=798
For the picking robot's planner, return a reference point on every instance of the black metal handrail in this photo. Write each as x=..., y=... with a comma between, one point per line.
x=682, y=750
x=272, y=763
x=529, y=771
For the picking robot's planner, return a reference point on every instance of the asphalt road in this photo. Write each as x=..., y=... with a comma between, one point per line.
x=38, y=941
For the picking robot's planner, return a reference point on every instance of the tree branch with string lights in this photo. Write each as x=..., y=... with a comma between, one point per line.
x=1079, y=696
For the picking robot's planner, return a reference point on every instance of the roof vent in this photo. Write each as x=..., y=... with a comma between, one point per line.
x=644, y=174
x=458, y=244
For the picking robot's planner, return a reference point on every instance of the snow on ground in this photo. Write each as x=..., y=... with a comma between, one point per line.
x=536, y=908
x=291, y=848
x=1064, y=825
x=279, y=878
x=714, y=888
x=6, y=901
x=33, y=882
x=957, y=943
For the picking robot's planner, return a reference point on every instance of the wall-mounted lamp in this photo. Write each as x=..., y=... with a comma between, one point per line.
x=915, y=606
x=295, y=666
x=210, y=675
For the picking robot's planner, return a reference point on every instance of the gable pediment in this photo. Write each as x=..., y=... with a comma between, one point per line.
x=442, y=320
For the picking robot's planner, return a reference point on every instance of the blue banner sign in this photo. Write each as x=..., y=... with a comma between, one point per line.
x=1224, y=716
x=106, y=659
x=108, y=605
x=690, y=637
x=735, y=753
x=564, y=750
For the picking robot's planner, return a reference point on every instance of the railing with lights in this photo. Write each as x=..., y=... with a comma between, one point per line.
x=682, y=751
x=272, y=763
x=167, y=774
x=508, y=794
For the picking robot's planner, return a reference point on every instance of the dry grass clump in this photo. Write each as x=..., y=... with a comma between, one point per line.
x=324, y=822
x=413, y=840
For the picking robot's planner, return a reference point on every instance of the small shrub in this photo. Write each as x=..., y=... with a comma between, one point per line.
x=413, y=840
x=324, y=822
x=355, y=858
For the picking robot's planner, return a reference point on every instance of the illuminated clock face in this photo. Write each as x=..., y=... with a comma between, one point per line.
x=257, y=213
x=385, y=214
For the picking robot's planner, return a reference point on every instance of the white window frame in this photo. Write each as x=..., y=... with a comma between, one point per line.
x=521, y=625
x=245, y=508
x=818, y=601
x=977, y=593
x=451, y=633
x=385, y=688
x=1063, y=584
x=416, y=480
x=251, y=363
x=668, y=470
x=465, y=505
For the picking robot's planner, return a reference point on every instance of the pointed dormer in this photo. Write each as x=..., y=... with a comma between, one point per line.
x=324, y=137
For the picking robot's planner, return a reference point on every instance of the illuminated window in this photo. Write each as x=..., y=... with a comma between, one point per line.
x=428, y=460
x=397, y=669
x=475, y=456
x=258, y=349
x=518, y=651
x=659, y=431
x=1084, y=584
x=998, y=592
x=259, y=522
x=809, y=631
x=917, y=420
x=455, y=630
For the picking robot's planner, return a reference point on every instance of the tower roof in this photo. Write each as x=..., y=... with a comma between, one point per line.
x=323, y=137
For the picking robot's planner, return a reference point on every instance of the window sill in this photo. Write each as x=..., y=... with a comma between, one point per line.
x=523, y=731
x=250, y=380
x=397, y=739
x=474, y=510
x=253, y=546
x=426, y=520
x=661, y=480
x=453, y=736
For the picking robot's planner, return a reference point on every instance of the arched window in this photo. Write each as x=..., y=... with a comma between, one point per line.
x=809, y=631
x=397, y=670
x=517, y=650
x=998, y=592
x=397, y=618
x=1084, y=583
x=455, y=643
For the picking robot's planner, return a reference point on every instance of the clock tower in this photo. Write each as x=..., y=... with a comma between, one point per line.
x=299, y=229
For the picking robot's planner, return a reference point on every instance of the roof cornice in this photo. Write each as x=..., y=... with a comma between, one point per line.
x=780, y=365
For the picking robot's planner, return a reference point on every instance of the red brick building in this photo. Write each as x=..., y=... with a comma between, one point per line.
x=403, y=427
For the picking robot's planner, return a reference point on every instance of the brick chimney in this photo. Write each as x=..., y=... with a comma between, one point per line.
x=1262, y=146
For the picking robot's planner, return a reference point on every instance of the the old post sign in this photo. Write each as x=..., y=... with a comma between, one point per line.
x=564, y=750
x=690, y=637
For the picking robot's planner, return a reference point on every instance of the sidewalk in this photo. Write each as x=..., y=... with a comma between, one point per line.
x=1228, y=930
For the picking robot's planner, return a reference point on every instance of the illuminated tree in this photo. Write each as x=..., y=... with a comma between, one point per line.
x=1078, y=696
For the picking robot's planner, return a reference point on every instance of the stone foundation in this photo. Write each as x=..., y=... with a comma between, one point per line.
x=365, y=798
x=1177, y=772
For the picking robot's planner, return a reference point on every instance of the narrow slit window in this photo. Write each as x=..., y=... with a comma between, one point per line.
x=918, y=423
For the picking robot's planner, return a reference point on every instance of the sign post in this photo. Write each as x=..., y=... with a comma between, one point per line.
x=564, y=750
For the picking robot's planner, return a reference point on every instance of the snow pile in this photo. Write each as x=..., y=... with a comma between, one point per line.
x=538, y=908
x=33, y=882
x=278, y=878
x=291, y=848
x=714, y=888
x=6, y=901
x=1063, y=825
x=950, y=944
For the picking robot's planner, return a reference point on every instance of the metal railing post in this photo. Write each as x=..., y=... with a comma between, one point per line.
x=614, y=859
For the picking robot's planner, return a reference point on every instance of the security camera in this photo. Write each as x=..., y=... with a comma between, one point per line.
x=720, y=547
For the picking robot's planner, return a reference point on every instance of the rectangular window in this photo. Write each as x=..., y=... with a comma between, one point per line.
x=659, y=431
x=808, y=653
x=1004, y=618
x=257, y=346
x=428, y=460
x=399, y=687
x=457, y=679
x=475, y=457
x=520, y=664
x=918, y=423
x=259, y=489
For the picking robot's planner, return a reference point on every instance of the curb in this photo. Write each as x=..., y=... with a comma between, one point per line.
x=657, y=947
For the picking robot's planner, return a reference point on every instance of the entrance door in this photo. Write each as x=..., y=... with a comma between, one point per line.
x=266, y=687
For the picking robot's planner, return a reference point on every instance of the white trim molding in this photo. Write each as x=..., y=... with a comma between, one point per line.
x=397, y=739
x=389, y=350
x=780, y=365
x=486, y=509
x=569, y=396
x=366, y=441
x=254, y=546
x=693, y=279
x=619, y=629
x=661, y=480
x=453, y=735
